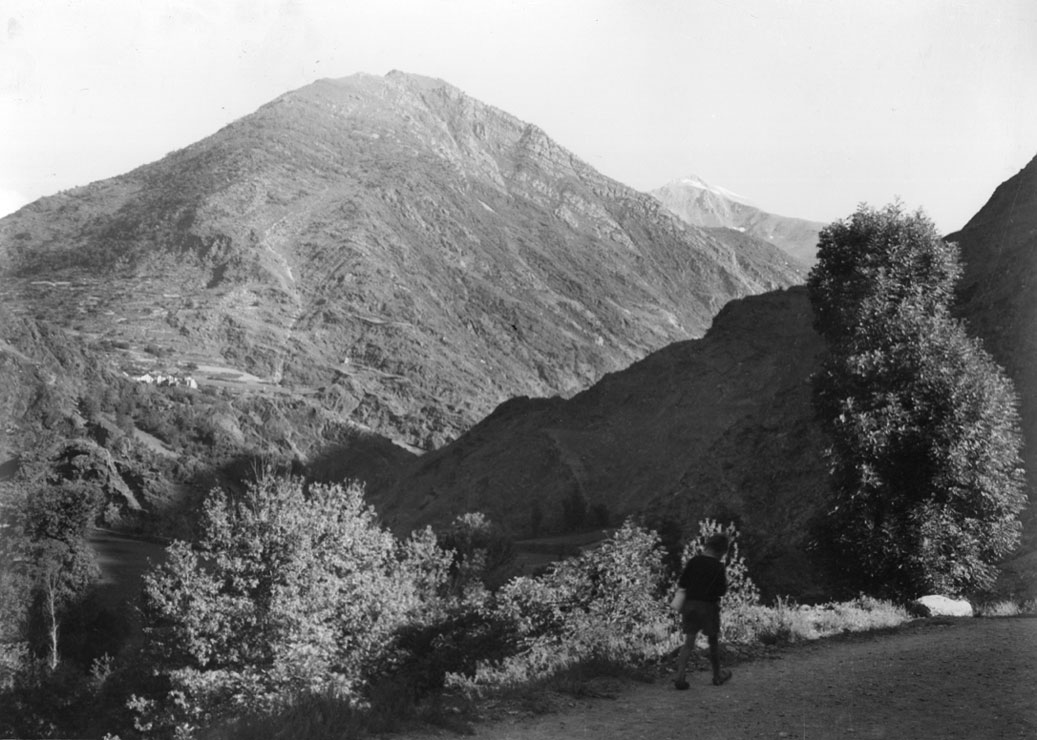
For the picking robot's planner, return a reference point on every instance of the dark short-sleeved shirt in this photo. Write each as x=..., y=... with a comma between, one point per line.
x=703, y=579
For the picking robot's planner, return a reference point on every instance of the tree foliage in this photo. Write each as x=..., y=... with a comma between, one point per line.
x=483, y=555
x=606, y=604
x=291, y=588
x=926, y=474
x=60, y=566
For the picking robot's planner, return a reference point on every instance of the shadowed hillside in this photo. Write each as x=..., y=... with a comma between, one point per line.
x=998, y=299
x=720, y=426
x=998, y=293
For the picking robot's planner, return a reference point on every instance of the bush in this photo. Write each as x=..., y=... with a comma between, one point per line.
x=423, y=654
x=607, y=604
x=291, y=589
x=741, y=591
x=482, y=554
x=46, y=703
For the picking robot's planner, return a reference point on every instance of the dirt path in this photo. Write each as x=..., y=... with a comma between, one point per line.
x=939, y=679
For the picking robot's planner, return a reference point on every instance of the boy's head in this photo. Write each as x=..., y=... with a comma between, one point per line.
x=717, y=545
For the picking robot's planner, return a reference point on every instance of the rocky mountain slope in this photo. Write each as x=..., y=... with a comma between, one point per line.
x=701, y=204
x=68, y=414
x=386, y=249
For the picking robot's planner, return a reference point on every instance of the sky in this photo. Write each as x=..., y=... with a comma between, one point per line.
x=804, y=107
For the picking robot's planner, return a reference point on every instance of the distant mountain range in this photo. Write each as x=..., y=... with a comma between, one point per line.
x=698, y=203
x=388, y=249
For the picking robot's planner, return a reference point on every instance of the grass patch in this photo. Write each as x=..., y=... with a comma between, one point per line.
x=785, y=622
x=1006, y=608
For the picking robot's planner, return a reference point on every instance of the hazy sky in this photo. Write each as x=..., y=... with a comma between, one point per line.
x=806, y=107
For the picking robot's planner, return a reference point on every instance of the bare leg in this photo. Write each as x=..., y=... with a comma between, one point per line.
x=719, y=676
x=684, y=655
x=714, y=653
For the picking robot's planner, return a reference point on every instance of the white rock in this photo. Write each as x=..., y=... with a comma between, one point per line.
x=943, y=606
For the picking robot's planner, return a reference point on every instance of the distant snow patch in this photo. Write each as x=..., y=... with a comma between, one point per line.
x=697, y=182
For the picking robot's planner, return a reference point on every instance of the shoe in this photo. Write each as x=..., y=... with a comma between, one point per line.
x=721, y=678
x=681, y=685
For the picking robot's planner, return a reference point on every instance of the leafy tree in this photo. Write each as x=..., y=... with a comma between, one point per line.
x=61, y=567
x=926, y=475
x=14, y=583
x=482, y=554
x=290, y=589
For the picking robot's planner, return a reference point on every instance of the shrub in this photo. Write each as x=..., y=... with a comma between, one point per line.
x=423, y=654
x=290, y=589
x=606, y=604
x=482, y=554
x=741, y=591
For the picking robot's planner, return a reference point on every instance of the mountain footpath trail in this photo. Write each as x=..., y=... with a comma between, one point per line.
x=937, y=678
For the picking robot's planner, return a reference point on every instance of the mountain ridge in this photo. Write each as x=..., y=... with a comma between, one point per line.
x=389, y=247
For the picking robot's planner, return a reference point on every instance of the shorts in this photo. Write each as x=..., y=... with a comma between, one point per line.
x=701, y=616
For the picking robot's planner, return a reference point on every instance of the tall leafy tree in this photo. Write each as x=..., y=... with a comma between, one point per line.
x=61, y=566
x=927, y=480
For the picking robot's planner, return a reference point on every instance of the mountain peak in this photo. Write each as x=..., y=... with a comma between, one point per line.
x=699, y=203
x=420, y=81
x=694, y=181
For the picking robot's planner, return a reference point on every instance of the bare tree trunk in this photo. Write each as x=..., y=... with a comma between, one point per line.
x=53, y=613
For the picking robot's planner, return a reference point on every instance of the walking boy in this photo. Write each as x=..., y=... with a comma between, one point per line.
x=704, y=581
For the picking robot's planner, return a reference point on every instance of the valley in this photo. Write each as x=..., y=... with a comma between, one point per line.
x=382, y=280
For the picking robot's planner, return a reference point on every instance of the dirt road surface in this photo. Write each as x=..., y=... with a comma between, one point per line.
x=939, y=679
